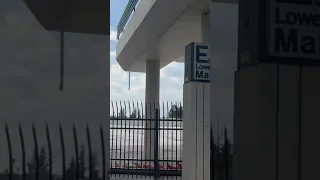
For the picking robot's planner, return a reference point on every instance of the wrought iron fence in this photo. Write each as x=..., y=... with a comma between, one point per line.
x=40, y=166
x=146, y=139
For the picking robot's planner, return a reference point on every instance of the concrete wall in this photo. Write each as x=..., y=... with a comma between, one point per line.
x=29, y=88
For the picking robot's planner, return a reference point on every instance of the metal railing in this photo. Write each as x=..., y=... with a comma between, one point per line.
x=40, y=165
x=146, y=139
x=130, y=8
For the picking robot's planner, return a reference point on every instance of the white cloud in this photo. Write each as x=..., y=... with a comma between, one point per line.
x=112, y=54
x=113, y=35
x=171, y=80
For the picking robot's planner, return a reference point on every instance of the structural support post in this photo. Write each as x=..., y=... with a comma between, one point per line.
x=278, y=122
x=196, y=128
x=152, y=102
x=196, y=105
x=276, y=94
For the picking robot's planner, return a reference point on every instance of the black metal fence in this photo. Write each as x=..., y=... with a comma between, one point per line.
x=40, y=165
x=146, y=139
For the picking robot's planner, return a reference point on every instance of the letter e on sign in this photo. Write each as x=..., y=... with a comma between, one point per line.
x=201, y=62
x=202, y=53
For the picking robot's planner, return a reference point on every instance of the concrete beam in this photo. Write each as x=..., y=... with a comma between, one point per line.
x=76, y=16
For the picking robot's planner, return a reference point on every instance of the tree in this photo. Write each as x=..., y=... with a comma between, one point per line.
x=18, y=170
x=43, y=165
x=6, y=171
x=134, y=114
x=175, y=112
x=221, y=156
x=13, y=163
x=82, y=163
x=122, y=114
x=95, y=165
x=71, y=169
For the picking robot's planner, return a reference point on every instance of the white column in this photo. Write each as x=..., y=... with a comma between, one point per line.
x=152, y=102
x=196, y=131
x=276, y=108
x=196, y=121
x=276, y=122
x=269, y=121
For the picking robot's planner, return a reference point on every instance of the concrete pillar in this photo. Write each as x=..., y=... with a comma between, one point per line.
x=196, y=119
x=277, y=99
x=276, y=103
x=196, y=128
x=152, y=102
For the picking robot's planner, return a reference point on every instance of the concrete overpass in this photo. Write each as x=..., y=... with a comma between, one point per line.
x=155, y=36
x=152, y=39
x=160, y=35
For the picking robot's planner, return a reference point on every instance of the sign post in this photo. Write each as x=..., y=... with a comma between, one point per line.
x=196, y=114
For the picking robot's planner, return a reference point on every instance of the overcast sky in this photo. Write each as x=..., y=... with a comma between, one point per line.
x=171, y=82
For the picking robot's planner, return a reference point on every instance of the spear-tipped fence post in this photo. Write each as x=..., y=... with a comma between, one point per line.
x=156, y=145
